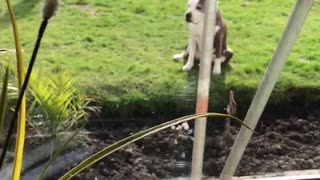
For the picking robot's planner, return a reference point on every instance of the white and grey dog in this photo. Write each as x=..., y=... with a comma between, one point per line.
x=195, y=19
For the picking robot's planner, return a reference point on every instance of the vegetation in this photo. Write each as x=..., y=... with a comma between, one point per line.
x=4, y=100
x=57, y=104
x=12, y=90
x=121, y=51
x=20, y=110
x=19, y=114
x=124, y=56
x=55, y=100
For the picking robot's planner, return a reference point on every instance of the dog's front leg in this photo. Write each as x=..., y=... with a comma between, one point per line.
x=192, y=50
x=217, y=65
x=177, y=57
x=219, y=49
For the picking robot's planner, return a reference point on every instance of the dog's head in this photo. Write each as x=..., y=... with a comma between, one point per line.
x=195, y=12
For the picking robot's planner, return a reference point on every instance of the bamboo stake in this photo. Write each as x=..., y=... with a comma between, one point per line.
x=267, y=84
x=203, y=89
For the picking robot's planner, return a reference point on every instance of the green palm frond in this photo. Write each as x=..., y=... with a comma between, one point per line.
x=58, y=101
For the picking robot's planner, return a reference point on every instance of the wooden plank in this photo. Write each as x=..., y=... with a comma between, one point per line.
x=286, y=175
x=312, y=174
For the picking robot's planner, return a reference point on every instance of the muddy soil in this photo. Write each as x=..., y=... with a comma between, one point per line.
x=280, y=144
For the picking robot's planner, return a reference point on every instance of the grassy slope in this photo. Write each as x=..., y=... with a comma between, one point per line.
x=121, y=50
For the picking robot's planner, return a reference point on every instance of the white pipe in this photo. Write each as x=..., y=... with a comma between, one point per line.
x=203, y=88
x=266, y=86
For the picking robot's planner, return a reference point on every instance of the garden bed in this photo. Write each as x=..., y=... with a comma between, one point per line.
x=282, y=143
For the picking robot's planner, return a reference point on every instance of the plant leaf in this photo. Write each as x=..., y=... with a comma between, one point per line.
x=22, y=113
x=60, y=150
x=3, y=99
x=126, y=141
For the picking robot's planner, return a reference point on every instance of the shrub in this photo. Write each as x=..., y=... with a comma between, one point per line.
x=57, y=103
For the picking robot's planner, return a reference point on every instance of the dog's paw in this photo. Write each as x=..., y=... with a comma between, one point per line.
x=217, y=28
x=216, y=72
x=187, y=67
x=177, y=57
x=217, y=65
x=229, y=49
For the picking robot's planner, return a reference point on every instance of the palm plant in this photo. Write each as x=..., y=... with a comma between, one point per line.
x=57, y=102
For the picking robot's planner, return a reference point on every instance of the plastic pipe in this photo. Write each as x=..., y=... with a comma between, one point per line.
x=267, y=84
x=203, y=88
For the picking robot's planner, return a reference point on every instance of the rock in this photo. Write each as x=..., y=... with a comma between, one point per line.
x=317, y=159
x=274, y=135
x=311, y=162
x=295, y=136
x=137, y=161
x=146, y=176
x=257, y=161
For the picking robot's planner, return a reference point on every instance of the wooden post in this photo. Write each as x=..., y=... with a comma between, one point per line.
x=203, y=88
x=267, y=84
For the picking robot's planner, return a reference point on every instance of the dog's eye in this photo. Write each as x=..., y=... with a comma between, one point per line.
x=199, y=8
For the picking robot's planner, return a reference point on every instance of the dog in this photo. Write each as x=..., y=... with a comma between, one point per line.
x=194, y=17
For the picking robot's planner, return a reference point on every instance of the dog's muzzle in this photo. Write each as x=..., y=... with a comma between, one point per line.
x=189, y=17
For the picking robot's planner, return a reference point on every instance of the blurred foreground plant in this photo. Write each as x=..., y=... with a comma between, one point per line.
x=22, y=113
x=4, y=99
x=48, y=11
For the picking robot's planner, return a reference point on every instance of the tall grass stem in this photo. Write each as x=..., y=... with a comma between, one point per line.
x=23, y=89
x=22, y=114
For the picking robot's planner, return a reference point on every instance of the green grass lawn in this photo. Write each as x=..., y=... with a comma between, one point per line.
x=121, y=50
